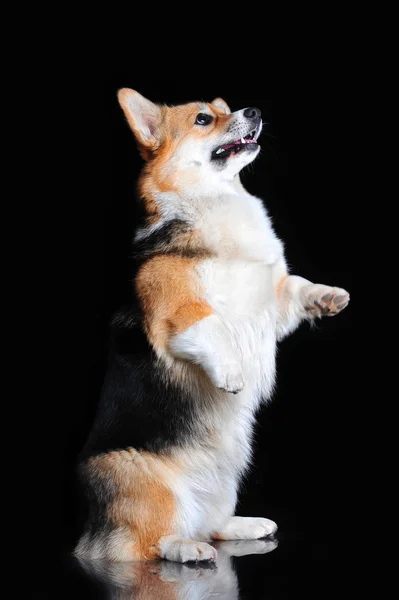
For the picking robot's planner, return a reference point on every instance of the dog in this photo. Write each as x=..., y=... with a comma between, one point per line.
x=193, y=357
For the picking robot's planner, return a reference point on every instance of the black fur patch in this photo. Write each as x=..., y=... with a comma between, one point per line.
x=162, y=241
x=139, y=406
x=99, y=492
x=167, y=239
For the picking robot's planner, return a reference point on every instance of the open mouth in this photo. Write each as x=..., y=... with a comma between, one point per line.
x=249, y=142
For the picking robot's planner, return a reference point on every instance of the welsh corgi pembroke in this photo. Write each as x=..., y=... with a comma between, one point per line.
x=193, y=357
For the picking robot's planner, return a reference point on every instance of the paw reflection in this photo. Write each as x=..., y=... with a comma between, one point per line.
x=245, y=547
x=155, y=580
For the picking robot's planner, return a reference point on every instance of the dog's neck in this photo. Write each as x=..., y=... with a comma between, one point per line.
x=191, y=182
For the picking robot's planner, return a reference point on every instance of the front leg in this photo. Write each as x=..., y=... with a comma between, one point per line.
x=210, y=344
x=322, y=300
x=246, y=528
x=299, y=299
x=179, y=322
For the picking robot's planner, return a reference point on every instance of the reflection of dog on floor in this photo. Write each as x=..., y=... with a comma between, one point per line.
x=195, y=356
x=156, y=580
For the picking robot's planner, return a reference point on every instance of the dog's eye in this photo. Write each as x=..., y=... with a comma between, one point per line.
x=203, y=119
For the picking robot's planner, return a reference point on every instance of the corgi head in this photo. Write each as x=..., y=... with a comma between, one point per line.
x=205, y=139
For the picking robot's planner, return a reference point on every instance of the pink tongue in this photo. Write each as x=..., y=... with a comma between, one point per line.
x=231, y=145
x=237, y=143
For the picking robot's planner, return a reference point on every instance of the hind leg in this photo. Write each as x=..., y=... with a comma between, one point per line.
x=135, y=507
x=141, y=519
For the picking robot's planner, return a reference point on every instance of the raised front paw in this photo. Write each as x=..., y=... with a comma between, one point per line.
x=322, y=300
x=228, y=377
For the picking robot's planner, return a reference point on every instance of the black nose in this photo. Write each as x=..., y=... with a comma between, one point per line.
x=252, y=113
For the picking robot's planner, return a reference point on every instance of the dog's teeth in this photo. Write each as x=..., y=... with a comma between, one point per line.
x=219, y=151
x=242, y=141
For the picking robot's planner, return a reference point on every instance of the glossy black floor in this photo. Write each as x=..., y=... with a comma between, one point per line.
x=283, y=567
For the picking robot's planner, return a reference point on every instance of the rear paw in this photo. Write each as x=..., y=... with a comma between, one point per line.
x=188, y=551
x=173, y=571
x=322, y=300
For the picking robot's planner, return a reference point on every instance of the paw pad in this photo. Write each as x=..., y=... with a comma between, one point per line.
x=320, y=300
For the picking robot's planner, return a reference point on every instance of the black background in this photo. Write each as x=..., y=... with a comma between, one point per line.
x=299, y=478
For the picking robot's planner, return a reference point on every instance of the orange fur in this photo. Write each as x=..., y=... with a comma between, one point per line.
x=171, y=303
x=189, y=314
x=134, y=580
x=175, y=124
x=280, y=285
x=148, y=584
x=143, y=502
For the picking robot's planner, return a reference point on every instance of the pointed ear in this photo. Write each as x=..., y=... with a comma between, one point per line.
x=221, y=105
x=143, y=116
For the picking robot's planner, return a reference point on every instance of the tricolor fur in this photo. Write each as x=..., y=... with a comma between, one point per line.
x=194, y=356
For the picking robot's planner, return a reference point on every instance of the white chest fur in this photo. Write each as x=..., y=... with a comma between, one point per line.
x=236, y=343
x=237, y=282
x=238, y=227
